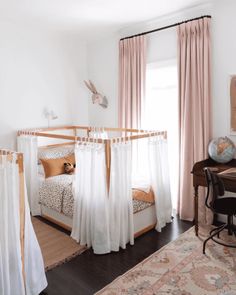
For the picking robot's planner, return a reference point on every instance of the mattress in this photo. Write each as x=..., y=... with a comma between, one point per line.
x=57, y=193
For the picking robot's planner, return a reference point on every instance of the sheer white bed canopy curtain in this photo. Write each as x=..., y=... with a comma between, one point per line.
x=28, y=145
x=101, y=221
x=160, y=179
x=120, y=196
x=91, y=218
x=12, y=280
x=11, y=277
x=150, y=170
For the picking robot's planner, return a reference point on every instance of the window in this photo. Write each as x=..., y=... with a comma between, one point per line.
x=161, y=112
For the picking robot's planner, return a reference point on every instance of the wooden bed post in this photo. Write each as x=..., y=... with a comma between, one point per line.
x=88, y=131
x=75, y=133
x=22, y=211
x=108, y=162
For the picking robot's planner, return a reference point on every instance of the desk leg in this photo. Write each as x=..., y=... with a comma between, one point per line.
x=196, y=209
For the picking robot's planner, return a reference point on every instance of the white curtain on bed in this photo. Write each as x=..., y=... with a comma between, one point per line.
x=98, y=133
x=90, y=218
x=140, y=165
x=120, y=197
x=160, y=179
x=11, y=278
x=28, y=145
x=36, y=280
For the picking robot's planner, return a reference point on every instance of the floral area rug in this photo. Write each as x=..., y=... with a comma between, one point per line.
x=180, y=268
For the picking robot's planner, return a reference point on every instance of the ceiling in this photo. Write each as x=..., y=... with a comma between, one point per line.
x=89, y=18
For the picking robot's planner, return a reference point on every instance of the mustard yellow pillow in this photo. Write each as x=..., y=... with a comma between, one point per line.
x=142, y=196
x=54, y=167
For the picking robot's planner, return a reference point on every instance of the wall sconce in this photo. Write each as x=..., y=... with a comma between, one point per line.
x=49, y=115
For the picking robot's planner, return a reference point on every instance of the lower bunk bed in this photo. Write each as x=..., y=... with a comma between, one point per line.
x=56, y=200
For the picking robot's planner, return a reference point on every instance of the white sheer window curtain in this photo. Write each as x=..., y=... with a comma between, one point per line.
x=162, y=113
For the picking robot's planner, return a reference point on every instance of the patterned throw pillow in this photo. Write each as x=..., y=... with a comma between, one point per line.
x=56, y=152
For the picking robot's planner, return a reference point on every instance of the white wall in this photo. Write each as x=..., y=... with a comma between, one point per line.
x=158, y=50
x=103, y=71
x=76, y=71
x=224, y=63
x=39, y=70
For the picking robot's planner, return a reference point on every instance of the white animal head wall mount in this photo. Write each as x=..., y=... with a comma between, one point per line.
x=96, y=97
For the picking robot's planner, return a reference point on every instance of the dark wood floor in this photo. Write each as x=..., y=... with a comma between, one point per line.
x=88, y=273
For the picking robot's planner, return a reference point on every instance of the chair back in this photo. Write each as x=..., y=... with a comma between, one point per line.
x=214, y=185
x=208, y=181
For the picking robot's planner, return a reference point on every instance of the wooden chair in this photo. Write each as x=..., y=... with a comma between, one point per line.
x=225, y=206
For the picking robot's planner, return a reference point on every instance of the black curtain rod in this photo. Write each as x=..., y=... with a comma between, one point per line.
x=166, y=27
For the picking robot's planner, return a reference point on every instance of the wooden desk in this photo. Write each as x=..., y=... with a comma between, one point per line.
x=199, y=180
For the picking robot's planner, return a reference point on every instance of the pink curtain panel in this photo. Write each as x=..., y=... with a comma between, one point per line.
x=132, y=72
x=194, y=71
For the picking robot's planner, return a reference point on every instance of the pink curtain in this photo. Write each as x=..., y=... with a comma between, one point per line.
x=132, y=72
x=194, y=56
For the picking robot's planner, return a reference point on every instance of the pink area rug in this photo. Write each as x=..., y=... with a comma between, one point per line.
x=180, y=268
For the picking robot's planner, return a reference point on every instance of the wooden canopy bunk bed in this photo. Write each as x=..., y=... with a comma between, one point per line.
x=59, y=208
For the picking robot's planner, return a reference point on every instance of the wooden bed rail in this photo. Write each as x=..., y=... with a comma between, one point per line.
x=45, y=132
x=86, y=128
x=10, y=156
x=144, y=134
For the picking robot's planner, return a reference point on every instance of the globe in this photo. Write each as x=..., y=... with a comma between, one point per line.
x=221, y=149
